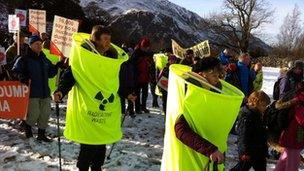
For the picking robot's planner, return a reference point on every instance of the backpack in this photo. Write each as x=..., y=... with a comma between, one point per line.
x=276, y=90
x=276, y=121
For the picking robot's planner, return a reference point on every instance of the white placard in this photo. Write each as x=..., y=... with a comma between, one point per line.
x=63, y=30
x=22, y=16
x=13, y=23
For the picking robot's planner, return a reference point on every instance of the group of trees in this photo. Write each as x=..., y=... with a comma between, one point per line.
x=291, y=37
x=241, y=20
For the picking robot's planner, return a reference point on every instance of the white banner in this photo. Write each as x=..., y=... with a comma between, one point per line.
x=178, y=50
x=202, y=49
x=13, y=23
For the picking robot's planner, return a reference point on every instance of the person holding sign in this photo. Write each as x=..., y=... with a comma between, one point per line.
x=34, y=69
x=93, y=82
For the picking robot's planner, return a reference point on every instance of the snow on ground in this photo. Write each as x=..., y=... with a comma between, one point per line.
x=269, y=78
x=140, y=149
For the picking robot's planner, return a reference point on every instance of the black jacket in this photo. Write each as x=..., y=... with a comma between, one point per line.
x=252, y=133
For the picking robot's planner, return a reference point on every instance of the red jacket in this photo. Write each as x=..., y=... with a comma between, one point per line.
x=143, y=70
x=293, y=136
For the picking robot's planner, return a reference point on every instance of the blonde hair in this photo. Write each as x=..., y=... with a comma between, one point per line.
x=258, y=97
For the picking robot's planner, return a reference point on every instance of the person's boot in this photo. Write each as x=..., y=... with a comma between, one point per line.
x=42, y=136
x=145, y=110
x=131, y=113
x=28, y=131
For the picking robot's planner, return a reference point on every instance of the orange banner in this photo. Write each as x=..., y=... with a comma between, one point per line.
x=14, y=98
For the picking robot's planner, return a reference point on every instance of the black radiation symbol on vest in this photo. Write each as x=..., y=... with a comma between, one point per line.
x=104, y=101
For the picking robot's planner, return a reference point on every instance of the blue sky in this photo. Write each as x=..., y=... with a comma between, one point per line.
x=282, y=7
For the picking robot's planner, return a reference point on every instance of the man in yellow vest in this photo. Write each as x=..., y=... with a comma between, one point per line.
x=94, y=111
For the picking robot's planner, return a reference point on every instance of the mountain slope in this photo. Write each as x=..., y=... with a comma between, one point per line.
x=160, y=20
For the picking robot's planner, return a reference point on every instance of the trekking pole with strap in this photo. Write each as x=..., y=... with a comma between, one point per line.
x=112, y=147
x=58, y=133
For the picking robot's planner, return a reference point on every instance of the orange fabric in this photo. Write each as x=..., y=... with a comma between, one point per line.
x=14, y=98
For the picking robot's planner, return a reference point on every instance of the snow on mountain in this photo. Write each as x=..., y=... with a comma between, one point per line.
x=159, y=19
x=183, y=20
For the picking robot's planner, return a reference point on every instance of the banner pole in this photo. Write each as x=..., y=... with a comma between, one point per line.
x=18, y=43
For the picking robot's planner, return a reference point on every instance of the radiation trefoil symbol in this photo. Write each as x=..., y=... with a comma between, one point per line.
x=104, y=101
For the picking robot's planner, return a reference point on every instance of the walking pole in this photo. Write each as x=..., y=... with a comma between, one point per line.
x=112, y=147
x=58, y=133
x=123, y=120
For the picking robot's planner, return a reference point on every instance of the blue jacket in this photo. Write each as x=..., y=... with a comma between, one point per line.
x=224, y=58
x=38, y=69
x=246, y=77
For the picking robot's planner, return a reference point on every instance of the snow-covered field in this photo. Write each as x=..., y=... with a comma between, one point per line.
x=140, y=149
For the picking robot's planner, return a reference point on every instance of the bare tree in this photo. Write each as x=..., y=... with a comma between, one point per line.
x=291, y=30
x=241, y=18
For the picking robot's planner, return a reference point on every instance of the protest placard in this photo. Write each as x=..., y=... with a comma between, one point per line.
x=22, y=16
x=37, y=21
x=63, y=30
x=202, y=49
x=14, y=98
x=178, y=50
x=13, y=24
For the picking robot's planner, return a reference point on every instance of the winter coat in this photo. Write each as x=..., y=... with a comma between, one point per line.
x=141, y=61
x=293, y=136
x=11, y=54
x=288, y=82
x=258, y=82
x=224, y=58
x=232, y=75
x=252, y=133
x=38, y=69
x=127, y=76
x=246, y=77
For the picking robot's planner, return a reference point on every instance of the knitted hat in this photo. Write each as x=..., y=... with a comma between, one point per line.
x=34, y=38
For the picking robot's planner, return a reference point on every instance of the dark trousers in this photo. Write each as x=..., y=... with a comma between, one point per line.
x=257, y=165
x=92, y=156
x=152, y=88
x=123, y=105
x=141, y=91
x=164, y=99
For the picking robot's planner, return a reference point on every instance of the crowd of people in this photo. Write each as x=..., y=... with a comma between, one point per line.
x=143, y=70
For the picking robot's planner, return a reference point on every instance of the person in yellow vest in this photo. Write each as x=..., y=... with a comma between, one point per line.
x=208, y=68
x=198, y=117
x=94, y=109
